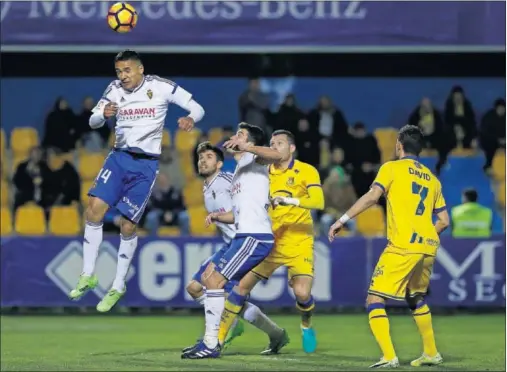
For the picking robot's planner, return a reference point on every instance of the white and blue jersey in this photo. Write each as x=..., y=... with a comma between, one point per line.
x=254, y=239
x=127, y=178
x=217, y=198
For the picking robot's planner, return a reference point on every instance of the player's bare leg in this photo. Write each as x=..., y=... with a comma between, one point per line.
x=128, y=245
x=94, y=214
x=302, y=287
x=379, y=324
x=422, y=317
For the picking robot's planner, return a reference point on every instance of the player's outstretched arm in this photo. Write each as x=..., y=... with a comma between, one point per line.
x=314, y=200
x=265, y=155
x=442, y=222
x=364, y=202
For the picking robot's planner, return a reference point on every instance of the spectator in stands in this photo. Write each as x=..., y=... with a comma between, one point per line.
x=166, y=207
x=288, y=114
x=363, y=158
x=62, y=186
x=60, y=127
x=339, y=195
x=492, y=131
x=307, y=143
x=470, y=219
x=437, y=135
x=460, y=117
x=254, y=105
x=29, y=178
x=328, y=120
x=93, y=140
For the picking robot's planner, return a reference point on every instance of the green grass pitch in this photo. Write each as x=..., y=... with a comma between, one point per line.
x=146, y=343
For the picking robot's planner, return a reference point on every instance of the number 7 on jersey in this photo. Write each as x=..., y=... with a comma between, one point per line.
x=422, y=191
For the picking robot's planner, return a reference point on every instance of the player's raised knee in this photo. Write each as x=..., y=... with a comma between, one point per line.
x=96, y=209
x=194, y=288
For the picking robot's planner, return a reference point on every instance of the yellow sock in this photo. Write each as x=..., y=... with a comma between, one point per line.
x=233, y=307
x=379, y=324
x=422, y=317
x=306, y=310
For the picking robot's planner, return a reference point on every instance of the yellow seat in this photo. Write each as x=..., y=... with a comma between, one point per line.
x=197, y=216
x=166, y=138
x=186, y=141
x=23, y=139
x=386, y=140
x=90, y=165
x=499, y=165
x=85, y=187
x=192, y=193
x=187, y=166
x=4, y=194
x=169, y=231
x=372, y=222
x=500, y=194
x=215, y=135
x=30, y=220
x=5, y=221
x=64, y=220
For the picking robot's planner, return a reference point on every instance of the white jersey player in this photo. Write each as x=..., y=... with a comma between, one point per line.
x=139, y=105
x=252, y=244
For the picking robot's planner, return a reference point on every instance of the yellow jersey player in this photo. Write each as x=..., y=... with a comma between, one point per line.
x=403, y=271
x=295, y=190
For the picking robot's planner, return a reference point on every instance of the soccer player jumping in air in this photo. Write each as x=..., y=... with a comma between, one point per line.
x=139, y=104
x=403, y=271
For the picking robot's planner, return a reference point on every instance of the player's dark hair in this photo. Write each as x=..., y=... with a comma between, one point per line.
x=127, y=55
x=412, y=139
x=255, y=133
x=290, y=137
x=207, y=146
x=471, y=195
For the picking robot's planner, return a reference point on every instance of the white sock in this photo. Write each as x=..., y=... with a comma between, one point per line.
x=125, y=254
x=201, y=299
x=91, y=243
x=214, y=304
x=253, y=315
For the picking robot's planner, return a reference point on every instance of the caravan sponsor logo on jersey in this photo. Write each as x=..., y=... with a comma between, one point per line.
x=136, y=113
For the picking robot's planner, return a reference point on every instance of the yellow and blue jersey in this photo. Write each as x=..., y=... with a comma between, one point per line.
x=413, y=194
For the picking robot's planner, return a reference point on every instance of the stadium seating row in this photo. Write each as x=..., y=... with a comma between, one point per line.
x=29, y=219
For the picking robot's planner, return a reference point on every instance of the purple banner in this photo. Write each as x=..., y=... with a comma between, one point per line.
x=41, y=271
x=249, y=26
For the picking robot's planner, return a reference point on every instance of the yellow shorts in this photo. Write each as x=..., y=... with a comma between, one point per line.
x=399, y=274
x=282, y=255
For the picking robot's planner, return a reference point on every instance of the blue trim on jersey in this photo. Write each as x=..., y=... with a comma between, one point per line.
x=291, y=164
x=441, y=209
x=136, y=151
x=106, y=99
x=259, y=237
x=379, y=185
